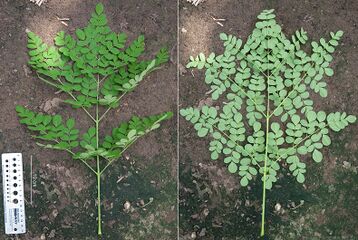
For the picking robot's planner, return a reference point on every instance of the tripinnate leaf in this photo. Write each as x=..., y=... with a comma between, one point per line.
x=269, y=70
x=95, y=67
x=76, y=65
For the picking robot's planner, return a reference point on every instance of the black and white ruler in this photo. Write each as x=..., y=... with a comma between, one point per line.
x=13, y=193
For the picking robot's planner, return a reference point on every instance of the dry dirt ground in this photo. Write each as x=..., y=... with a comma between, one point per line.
x=212, y=204
x=64, y=190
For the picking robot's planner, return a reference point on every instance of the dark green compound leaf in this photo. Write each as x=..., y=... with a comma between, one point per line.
x=162, y=56
x=50, y=129
x=127, y=132
x=109, y=100
x=269, y=67
x=95, y=67
x=75, y=65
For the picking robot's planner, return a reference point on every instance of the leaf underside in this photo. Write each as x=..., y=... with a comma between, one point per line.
x=268, y=114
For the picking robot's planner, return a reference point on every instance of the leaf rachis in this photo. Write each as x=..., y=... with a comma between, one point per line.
x=94, y=70
x=267, y=81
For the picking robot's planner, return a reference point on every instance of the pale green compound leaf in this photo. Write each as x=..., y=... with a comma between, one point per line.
x=269, y=119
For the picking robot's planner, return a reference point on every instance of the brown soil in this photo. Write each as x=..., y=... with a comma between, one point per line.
x=200, y=33
x=63, y=177
x=212, y=205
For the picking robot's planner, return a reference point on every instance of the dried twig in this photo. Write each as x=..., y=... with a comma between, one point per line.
x=38, y=2
x=195, y=2
x=63, y=20
x=218, y=20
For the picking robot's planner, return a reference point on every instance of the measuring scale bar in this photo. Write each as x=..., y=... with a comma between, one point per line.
x=13, y=193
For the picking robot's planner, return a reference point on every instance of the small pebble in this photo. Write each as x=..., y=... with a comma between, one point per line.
x=127, y=205
x=52, y=234
x=278, y=207
x=346, y=165
x=206, y=212
x=202, y=232
x=55, y=213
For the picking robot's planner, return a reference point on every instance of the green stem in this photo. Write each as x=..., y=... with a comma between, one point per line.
x=84, y=109
x=289, y=94
x=46, y=81
x=84, y=161
x=99, y=197
x=264, y=184
x=302, y=140
x=265, y=164
x=242, y=90
x=69, y=93
x=97, y=120
x=125, y=148
x=109, y=108
x=237, y=144
x=111, y=161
